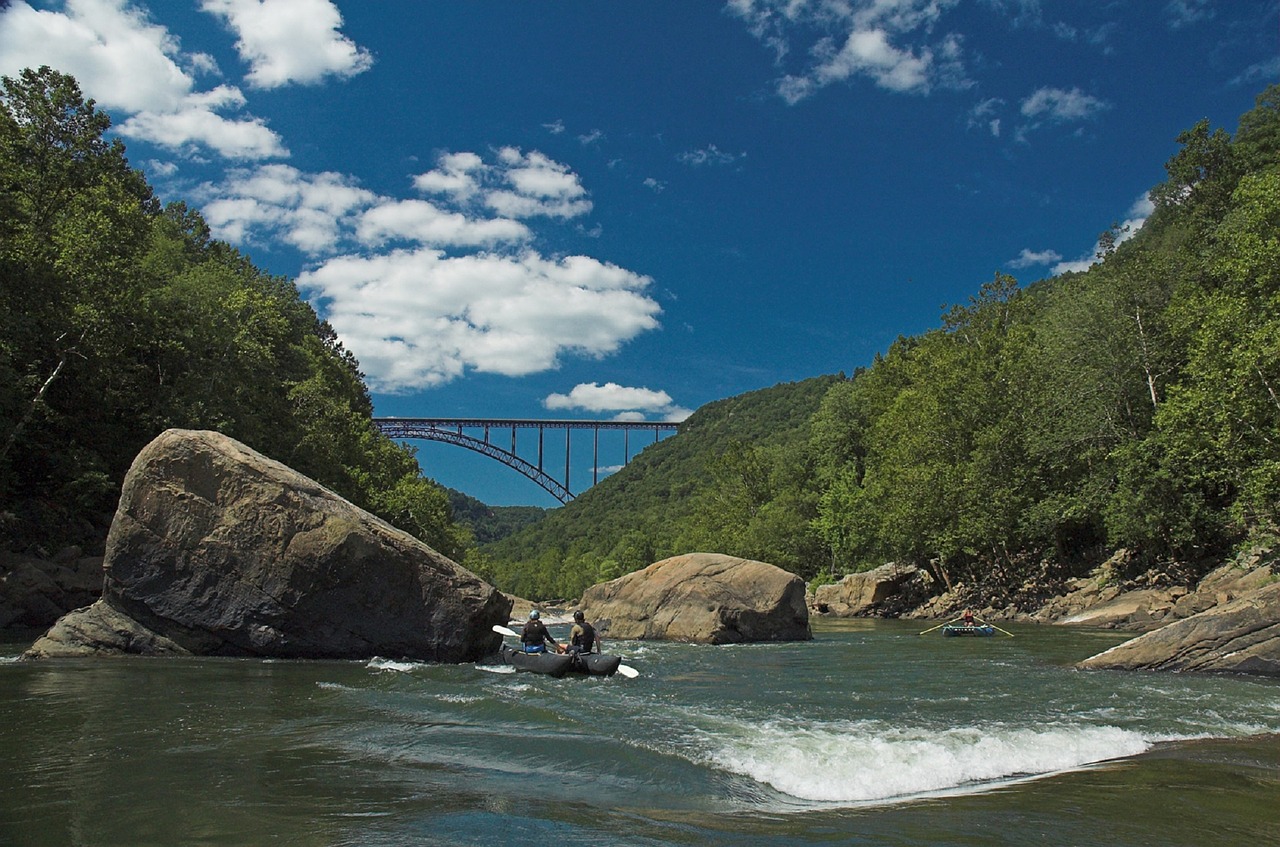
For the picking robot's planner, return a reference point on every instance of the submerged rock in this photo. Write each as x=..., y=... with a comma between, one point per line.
x=703, y=597
x=217, y=550
x=1240, y=636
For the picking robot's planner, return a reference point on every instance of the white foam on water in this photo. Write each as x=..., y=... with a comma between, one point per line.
x=334, y=686
x=496, y=668
x=862, y=763
x=379, y=664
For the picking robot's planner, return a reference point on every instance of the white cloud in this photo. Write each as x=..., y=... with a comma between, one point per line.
x=610, y=397
x=425, y=223
x=872, y=41
x=315, y=213
x=1187, y=12
x=709, y=155
x=422, y=292
x=457, y=176
x=1137, y=217
x=157, y=168
x=1261, y=72
x=517, y=185
x=869, y=53
x=1059, y=105
x=985, y=115
x=286, y=41
x=630, y=404
x=128, y=64
x=1032, y=258
x=196, y=123
x=419, y=318
x=540, y=186
x=328, y=213
x=120, y=58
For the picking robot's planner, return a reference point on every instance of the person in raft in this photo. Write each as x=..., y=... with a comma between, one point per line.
x=967, y=617
x=534, y=637
x=582, y=638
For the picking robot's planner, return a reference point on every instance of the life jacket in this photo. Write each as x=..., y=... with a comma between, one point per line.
x=583, y=637
x=534, y=632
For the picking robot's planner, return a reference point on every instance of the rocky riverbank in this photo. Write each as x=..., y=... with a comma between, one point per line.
x=1233, y=612
x=1101, y=598
x=1227, y=621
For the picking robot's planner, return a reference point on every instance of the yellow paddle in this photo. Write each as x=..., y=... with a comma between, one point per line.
x=939, y=626
x=993, y=626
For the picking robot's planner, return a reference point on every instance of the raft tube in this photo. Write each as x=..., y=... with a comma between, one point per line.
x=559, y=664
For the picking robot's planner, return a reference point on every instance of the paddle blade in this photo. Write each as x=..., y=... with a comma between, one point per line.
x=628, y=671
x=502, y=630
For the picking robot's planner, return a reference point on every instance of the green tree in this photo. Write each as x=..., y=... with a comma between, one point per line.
x=120, y=319
x=1222, y=426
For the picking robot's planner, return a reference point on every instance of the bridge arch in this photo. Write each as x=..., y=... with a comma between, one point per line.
x=452, y=431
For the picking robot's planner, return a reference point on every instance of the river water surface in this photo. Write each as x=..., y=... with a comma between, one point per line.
x=871, y=734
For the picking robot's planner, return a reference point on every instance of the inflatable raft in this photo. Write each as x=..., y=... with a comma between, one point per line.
x=971, y=630
x=559, y=664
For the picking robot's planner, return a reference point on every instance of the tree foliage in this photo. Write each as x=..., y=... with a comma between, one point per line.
x=1135, y=404
x=119, y=319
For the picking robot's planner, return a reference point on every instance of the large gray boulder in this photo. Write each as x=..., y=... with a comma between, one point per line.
x=702, y=597
x=1241, y=636
x=217, y=550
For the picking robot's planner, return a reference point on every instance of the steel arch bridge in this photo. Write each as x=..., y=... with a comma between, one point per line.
x=453, y=431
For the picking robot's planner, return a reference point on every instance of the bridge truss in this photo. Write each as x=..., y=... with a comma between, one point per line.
x=454, y=431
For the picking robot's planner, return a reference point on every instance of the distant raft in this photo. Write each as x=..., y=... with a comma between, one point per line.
x=953, y=630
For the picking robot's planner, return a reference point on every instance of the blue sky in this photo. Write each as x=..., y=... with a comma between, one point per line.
x=592, y=210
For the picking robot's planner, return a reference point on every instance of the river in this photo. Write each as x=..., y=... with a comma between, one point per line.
x=871, y=734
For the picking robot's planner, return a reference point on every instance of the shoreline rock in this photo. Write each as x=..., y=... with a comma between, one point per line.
x=871, y=593
x=1239, y=636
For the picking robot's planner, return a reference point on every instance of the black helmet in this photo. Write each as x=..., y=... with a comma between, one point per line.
x=577, y=616
x=533, y=616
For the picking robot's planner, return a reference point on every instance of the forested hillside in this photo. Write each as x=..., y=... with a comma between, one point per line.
x=491, y=523
x=1135, y=405
x=727, y=479
x=1132, y=406
x=119, y=319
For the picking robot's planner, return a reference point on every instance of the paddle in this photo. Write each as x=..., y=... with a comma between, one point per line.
x=996, y=628
x=939, y=626
x=626, y=670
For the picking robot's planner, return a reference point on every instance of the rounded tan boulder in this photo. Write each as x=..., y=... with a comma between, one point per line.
x=708, y=598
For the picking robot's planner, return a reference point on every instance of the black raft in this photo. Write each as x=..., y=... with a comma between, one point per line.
x=559, y=664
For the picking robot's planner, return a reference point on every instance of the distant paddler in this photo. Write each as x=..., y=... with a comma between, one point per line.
x=967, y=624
